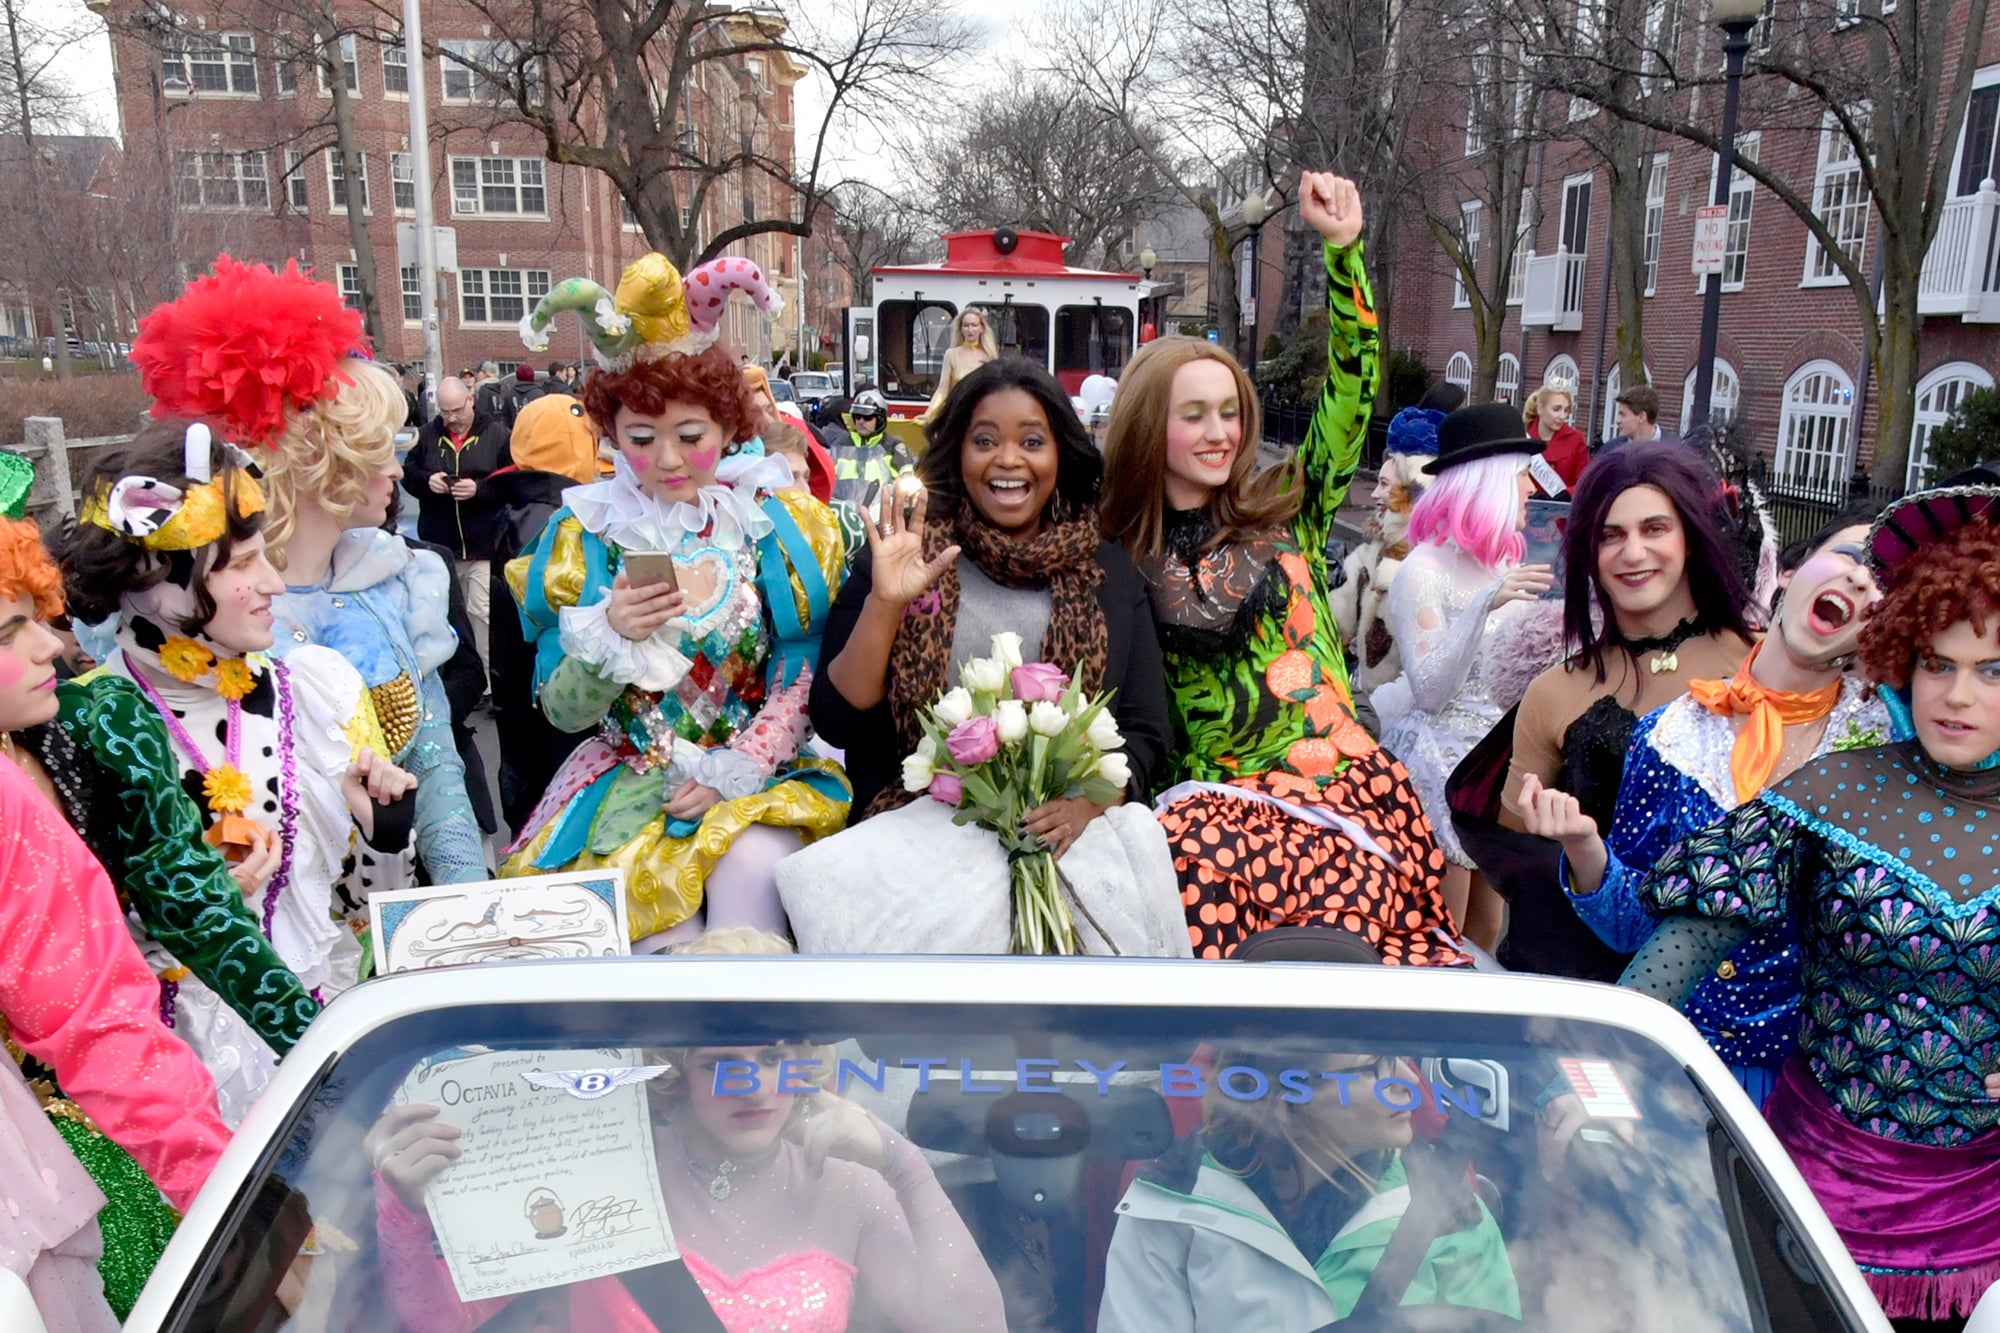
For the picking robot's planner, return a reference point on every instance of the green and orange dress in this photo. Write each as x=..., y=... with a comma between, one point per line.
x=1286, y=812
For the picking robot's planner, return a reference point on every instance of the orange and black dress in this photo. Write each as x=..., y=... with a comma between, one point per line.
x=1286, y=812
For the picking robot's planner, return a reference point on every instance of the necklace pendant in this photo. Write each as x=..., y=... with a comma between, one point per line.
x=720, y=1186
x=1665, y=662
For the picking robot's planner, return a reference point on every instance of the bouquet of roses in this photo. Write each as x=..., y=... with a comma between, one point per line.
x=1010, y=737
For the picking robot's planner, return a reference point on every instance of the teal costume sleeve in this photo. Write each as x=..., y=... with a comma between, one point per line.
x=177, y=883
x=447, y=835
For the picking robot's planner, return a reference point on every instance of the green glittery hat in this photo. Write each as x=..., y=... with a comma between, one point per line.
x=17, y=474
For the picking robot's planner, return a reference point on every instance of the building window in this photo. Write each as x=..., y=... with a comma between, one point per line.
x=463, y=63
x=336, y=177
x=1517, y=266
x=1814, y=450
x=1458, y=371
x=1507, y=381
x=395, y=65
x=1478, y=98
x=754, y=67
x=350, y=72
x=1725, y=391
x=1979, y=153
x=413, y=295
x=1468, y=244
x=499, y=295
x=500, y=186
x=1840, y=199
x=295, y=179
x=217, y=178
x=1938, y=396
x=403, y=181
x=287, y=66
x=1561, y=373
x=350, y=286
x=1613, y=386
x=1742, y=199
x=212, y=63
x=1656, y=217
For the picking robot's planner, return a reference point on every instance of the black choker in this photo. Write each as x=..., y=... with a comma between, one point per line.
x=1665, y=646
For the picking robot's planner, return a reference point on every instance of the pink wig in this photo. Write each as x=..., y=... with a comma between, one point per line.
x=1478, y=506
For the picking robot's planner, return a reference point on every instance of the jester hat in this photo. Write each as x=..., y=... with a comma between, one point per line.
x=653, y=308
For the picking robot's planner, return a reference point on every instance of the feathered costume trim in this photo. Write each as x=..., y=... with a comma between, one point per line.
x=244, y=347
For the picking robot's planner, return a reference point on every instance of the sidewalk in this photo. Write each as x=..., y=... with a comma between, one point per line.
x=1351, y=523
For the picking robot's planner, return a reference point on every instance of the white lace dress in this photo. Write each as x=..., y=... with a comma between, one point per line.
x=1440, y=610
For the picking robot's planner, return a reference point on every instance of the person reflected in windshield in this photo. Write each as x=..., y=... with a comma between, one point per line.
x=786, y=1207
x=1278, y=1214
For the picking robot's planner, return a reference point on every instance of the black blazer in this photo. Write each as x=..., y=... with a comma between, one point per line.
x=1132, y=667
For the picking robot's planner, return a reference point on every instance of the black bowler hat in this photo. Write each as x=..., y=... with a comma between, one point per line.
x=1484, y=430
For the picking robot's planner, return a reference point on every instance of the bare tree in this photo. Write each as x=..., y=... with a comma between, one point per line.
x=1888, y=86
x=1036, y=153
x=614, y=85
x=872, y=229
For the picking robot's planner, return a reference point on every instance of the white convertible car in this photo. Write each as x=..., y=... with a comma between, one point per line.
x=818, y=1144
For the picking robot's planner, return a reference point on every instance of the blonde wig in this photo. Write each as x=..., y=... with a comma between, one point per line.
x=327, y=454
x=989, y=342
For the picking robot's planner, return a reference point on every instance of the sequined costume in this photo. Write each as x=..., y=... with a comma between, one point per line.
x=76, y=996
x=1886, y=864
x=1678, y=782
x=1273, y=771
x=787, y=1248
x=384, y=608
x=717, y=695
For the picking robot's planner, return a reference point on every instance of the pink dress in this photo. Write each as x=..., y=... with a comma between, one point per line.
x=785, y=1251
x=77, y=996
x=48, y=1215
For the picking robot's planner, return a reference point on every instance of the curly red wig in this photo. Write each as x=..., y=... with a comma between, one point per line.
x=1954, y=579
x=27, y=569
x=708, y=379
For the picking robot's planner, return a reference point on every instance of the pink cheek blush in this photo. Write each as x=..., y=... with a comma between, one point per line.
x=639, y=461
x=10, y=670
x=703, y=460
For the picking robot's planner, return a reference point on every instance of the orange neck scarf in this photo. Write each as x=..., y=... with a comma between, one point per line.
x=1767, y=712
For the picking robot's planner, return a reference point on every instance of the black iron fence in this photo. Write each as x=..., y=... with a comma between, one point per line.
x=1287, y=425
x=1798, y=512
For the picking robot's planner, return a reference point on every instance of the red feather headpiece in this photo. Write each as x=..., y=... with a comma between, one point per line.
x=244, y=347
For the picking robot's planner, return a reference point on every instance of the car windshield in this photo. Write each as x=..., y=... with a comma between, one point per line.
x=781, y=390
x=813, y=382
x=1019, y=1165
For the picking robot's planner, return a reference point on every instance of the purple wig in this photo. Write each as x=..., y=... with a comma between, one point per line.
x=1713, y=570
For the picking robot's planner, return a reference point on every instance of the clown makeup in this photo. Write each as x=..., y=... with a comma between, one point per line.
x=242, y=591
x=28, y=650
x=1204, y=432
x=675, y=454
x=1955, y=695
x=1819, y=621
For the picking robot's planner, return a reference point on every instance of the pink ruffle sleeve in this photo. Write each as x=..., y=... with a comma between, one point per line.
x=78, y=997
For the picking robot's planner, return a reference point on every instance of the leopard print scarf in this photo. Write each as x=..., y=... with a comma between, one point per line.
x=1062, y=556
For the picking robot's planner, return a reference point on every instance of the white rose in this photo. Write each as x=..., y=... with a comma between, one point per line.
x=1114, y=769
x=1012, y=719
x=954, y=708
x=1047, y=719
x=983, y=675
x=1102, y=733
x=918, y=772
x=1007, y=649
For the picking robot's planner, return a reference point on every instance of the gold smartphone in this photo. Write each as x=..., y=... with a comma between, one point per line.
x=643, y=569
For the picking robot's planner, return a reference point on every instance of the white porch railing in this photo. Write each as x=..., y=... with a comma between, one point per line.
x=1552, y=292
x=1962, y=269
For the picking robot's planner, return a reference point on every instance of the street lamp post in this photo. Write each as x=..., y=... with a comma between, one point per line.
x=1149, y=259
x=1736, y=18
x=1256, y=207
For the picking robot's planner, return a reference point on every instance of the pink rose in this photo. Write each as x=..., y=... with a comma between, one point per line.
x=947, y=789
x=1038, y=682
x=974, y=741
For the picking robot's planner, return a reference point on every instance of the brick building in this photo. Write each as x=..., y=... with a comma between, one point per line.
x=207, y=96
x=1790, y=364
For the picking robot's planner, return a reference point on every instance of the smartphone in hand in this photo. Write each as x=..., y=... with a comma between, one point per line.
x=644, y=569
